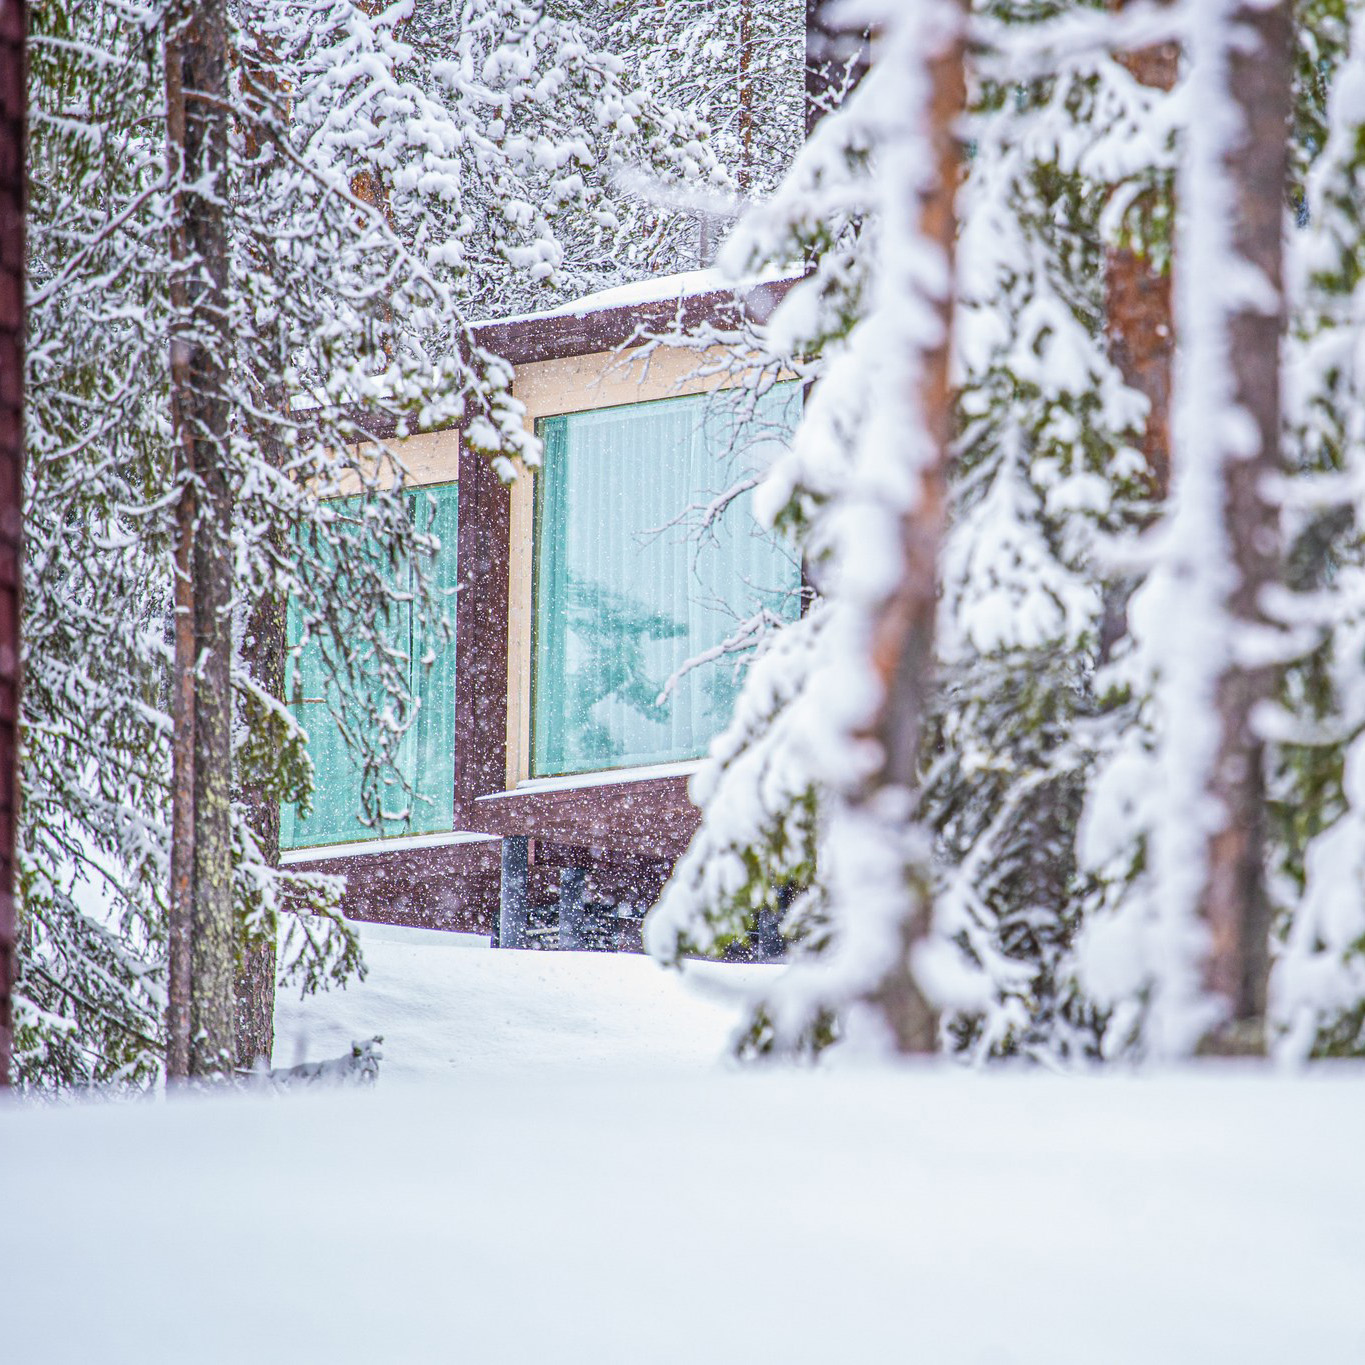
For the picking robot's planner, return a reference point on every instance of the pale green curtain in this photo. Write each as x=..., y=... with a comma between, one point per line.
x=621, y=603
x=426, y=756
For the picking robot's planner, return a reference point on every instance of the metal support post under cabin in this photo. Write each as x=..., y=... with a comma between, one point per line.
x=573, y=921
x=513, y=907
x=768, y=943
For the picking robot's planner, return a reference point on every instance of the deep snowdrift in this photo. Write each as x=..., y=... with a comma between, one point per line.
x=612, y=1197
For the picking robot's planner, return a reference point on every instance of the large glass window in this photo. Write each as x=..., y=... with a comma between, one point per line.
x=626, y=592
x=426, y=757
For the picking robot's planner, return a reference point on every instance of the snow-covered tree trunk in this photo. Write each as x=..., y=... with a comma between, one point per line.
x=746, y=96
x=902, y=628
x=263, y=653
x=13, y=98
x=1182, y=961
x=203, y=937
x=264, y=638
x=1139, y=324
x=1235, y=901
x=815, y=784
x=1317, y=987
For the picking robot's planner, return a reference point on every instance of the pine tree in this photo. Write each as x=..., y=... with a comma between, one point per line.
x=737, y=67
x=818, y=771
x=336, y=316
x=1048, y=467
x=1043, y=467
x=201, y=930
x=13, y=67
x=1318, y=978
x=512, y=140
x=93, y=870
x=1181, y=953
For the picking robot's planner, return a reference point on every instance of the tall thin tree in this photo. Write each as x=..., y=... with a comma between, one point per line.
x=1235, y=901
x=13, y=100
x=902, y=623
x=265, y=634
x=829, y=721
x=1182, y=960
x=202, y=937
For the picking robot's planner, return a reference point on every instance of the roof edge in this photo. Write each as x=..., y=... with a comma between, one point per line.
x=561, y=335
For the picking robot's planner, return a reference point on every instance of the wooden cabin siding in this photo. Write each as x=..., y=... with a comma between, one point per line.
x=449, y=886
x=649, y=818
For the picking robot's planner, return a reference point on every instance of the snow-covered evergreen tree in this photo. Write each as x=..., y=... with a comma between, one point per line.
x=1318, y=981
x=736, y=65
x=791, y=788
x=503, y=138
x=1064, y=146
x=347, y=301
x=95, y=755
x=1043, y=466
x=1176, y=944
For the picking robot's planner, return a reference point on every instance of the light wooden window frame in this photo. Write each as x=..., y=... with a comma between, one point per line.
x=560, y=388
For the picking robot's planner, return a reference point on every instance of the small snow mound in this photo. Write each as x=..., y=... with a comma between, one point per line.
x=446, y=1005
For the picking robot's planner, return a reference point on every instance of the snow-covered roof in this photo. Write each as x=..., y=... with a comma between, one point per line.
x=686, y=284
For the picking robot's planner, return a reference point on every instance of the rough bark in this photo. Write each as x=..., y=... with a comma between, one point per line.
x=13, y=88
x=903, y=639
x=202, y=929
x=746, y=94
x=263, y=653
x=1235, y=902
x=1142, y=345
x=1139, y=325
x=181, y=904
x=264, y=638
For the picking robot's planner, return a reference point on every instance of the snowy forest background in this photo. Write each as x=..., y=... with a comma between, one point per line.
x=1105, y=802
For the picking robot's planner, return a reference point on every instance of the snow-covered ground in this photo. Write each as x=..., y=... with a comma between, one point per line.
x=573, y=1180
x=446, y=1005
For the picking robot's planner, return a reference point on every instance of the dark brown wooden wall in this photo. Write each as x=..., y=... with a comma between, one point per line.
x=449, y=887
x=13, y=103
x=481, y=626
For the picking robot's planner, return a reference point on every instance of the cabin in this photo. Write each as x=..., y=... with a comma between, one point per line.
x=554, y=778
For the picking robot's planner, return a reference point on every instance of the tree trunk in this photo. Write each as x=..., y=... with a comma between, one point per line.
x=181, y=905
x=1139, y=321
x=263, y=653
x=746, y=94
x=1235, y=901
x=13, y=100
x=903, y=634
x=202, y=929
